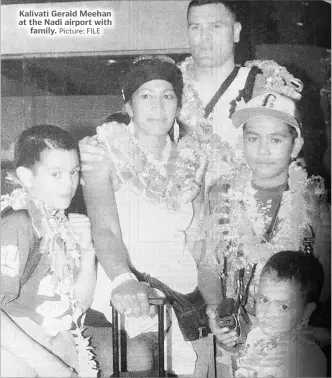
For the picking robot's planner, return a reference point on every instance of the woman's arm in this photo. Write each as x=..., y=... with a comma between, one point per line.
x=128, y=295
x=86, y=280
x=101, y=207
x=17, y=342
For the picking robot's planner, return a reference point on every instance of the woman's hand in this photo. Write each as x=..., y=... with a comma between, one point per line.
x=224, y=335
x=131, y=298
x=91, y=151
x=97, y=162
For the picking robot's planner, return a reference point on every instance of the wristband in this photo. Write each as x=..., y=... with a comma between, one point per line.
x=120, y=279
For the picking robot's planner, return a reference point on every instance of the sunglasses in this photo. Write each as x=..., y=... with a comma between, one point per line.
x=162, y=58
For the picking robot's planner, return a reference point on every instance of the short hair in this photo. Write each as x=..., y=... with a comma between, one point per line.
x=231, y=6
x=303, y=268
x=33, y=141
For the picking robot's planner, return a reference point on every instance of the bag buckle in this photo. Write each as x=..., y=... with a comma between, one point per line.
x=202, y=332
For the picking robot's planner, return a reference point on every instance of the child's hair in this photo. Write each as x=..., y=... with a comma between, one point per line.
x=301, y=267
x=33, y=141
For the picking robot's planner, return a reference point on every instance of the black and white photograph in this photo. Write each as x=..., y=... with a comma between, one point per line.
x=166, y=188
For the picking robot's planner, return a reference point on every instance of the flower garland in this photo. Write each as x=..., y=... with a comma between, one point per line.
x=262, y=344
x=273, y=77
x=238, y=223
x=171, y=183
x=61, y=245
x=159, y=165
x=192, y=111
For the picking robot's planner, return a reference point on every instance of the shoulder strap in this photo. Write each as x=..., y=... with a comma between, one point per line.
x=172, y=295
x=247, y=91
x=224, y=86
x=250, y=83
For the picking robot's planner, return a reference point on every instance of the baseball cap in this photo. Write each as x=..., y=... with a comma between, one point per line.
x=269, y=104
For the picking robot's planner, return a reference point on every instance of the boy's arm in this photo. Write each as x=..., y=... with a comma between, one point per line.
x=101, y=207
x=209, y=281
x=17, y=342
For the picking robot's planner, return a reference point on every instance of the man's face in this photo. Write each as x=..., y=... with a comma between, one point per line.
x=212, y=34
x=268, y=148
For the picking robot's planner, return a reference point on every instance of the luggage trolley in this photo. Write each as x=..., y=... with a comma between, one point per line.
x=120, y=343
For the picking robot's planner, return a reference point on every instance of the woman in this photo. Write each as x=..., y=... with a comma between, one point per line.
x=144, y=188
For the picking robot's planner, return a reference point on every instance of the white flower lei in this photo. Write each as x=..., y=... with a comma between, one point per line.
x=170, y=184
x=241, y=226
x=274, y=77
x=192, y=111
x=57, y=228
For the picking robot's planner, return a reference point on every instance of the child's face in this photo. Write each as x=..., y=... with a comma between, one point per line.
x=55, y=178
x=268, y=148
x=280, y=305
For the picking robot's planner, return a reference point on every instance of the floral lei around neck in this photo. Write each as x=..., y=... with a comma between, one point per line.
x=192, y=111
x=167, y=182
x=265, y=345
x=54, y=228
x=237, y=220
x=273, y=77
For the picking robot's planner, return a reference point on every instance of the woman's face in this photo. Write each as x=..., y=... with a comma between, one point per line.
x=153, y=107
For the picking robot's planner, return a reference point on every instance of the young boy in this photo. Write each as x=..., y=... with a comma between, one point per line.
x=282, y=344
x=270, y=205
x=48, y=270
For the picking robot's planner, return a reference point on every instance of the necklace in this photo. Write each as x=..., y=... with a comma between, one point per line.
x=193, y=109
x=161, y=164
x=169, y=183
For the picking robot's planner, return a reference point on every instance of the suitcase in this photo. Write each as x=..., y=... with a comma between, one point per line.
x=119, y=343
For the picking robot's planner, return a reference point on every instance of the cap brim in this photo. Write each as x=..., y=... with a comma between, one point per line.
x=244, y=115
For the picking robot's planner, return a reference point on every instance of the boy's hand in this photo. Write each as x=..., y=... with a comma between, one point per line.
x=224, y=335
x=82, y=228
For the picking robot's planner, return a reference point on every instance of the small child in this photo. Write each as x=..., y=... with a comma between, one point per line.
x=48, y=269
x=282, y=344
